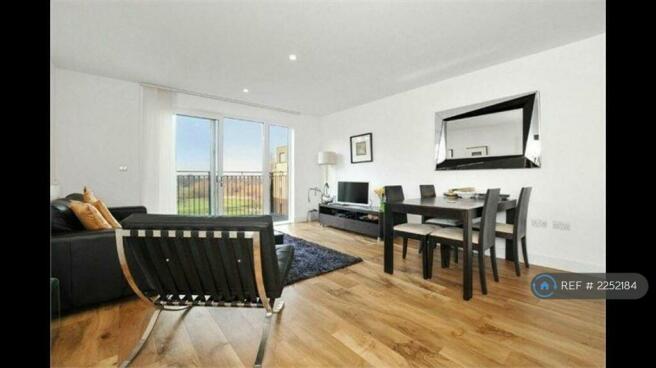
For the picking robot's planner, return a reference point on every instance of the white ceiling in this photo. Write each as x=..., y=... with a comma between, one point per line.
x=349, y=53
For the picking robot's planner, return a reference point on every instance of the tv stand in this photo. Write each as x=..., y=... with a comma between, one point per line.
x=358, y=219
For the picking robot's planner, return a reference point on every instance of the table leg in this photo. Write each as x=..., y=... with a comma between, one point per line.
x=428, y=249
x=510, y=219
x=389, y=240
x=424, y=263
x=467, y=255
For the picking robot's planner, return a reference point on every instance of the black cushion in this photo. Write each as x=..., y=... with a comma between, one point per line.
x=278, y=237
x=285, y=253
x=63, y=219
x=75, y=197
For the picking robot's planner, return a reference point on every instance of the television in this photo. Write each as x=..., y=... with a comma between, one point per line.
x=353, y=192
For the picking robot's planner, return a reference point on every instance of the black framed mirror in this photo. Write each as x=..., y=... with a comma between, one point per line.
x=498, y=134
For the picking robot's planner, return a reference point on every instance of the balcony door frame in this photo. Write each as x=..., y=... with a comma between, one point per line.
x=216, y=156
x=216, y=169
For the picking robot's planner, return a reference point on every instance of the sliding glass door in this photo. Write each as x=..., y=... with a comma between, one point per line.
x=195, y=161
x=242, y=168
x=223, y=167
x=279, y=172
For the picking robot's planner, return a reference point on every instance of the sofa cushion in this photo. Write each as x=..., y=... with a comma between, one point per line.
x=106, y=214
x=62, y=217
x=87, y=195
x=89, y=216
x=285, y=254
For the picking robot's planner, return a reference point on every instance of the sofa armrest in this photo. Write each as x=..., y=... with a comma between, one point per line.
x=120, y=213
x=78, y=259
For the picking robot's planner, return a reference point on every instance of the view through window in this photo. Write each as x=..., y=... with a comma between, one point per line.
x=232, y=152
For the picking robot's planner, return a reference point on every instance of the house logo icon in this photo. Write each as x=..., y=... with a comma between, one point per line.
x=544, y=285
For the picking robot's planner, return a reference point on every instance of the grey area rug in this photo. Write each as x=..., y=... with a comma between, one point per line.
x=311, y=259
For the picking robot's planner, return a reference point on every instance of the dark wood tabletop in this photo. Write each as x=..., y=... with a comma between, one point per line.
x=457, y=204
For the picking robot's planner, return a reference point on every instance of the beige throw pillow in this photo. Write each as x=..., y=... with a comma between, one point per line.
x=89, y=216
x=104, y=211
x=88, y=196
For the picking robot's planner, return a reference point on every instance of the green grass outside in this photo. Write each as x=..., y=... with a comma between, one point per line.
x=232, y=206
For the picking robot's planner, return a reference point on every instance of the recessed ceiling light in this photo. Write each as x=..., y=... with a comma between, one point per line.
x=245, y=90
x=292, y=57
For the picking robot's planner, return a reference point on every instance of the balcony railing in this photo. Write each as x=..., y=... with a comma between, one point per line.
x=242, y=193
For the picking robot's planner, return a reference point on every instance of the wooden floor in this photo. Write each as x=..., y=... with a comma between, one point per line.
x=355, y=317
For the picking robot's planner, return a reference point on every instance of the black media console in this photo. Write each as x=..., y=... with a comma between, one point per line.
x=359, y=219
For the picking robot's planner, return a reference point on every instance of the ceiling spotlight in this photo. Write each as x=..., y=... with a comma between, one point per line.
x=292, y=57
x=245, y=90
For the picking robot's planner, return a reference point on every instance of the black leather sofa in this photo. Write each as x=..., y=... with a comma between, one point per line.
x=86, y=262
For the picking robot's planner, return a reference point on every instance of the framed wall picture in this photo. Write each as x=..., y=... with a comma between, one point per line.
x=361, y=148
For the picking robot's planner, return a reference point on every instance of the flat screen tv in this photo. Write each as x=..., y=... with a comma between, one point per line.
x=353, y=192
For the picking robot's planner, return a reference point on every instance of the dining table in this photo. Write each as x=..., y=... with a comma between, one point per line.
x=464, y=209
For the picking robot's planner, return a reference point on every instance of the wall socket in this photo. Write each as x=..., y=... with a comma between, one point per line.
x=538, y=223
x=123, y=168
x=560, y=225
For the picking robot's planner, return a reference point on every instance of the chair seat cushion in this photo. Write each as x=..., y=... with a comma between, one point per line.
x=444, y=221
x=500, y=227
x=453, y=233
x=417, y=229
x=285, y=254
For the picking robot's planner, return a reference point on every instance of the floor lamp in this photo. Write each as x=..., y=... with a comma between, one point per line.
x=326, y=158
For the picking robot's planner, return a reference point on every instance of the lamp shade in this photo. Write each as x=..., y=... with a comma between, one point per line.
x=327, y=158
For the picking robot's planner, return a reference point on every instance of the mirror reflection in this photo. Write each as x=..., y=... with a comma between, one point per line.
x=502, y=133
x=497, y=134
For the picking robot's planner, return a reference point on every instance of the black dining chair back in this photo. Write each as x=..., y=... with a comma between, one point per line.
x=487, y=234
x=394, y=193
x=427, y=190
x=522, y=211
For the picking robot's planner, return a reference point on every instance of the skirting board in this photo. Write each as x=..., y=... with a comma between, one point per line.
x=562, y=264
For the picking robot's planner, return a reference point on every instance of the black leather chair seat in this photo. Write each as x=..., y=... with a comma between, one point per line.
x=278, y=237
x=285, y=254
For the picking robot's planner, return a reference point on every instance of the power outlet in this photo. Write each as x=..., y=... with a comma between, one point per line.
x=123, y=168
x=539, y=223
x=560, y=225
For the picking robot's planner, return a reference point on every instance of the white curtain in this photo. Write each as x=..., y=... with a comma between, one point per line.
x=158, y=176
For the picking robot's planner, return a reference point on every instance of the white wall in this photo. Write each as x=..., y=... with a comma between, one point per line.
x=570, y=185
x=97, y=125
x=96, y=130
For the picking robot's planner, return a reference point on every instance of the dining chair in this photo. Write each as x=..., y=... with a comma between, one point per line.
x=517, y=231
x=404, y=229
x=214, y=261
x=482, y=240
x=428, y=191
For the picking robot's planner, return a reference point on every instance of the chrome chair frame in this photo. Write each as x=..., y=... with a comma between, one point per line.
x=164, y=305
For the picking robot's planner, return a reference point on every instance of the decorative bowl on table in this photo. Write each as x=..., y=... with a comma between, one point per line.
x=466, y=192
x=450, y=195
x=465, y=195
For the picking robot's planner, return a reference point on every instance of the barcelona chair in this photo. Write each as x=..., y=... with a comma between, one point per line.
x=189, y=262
